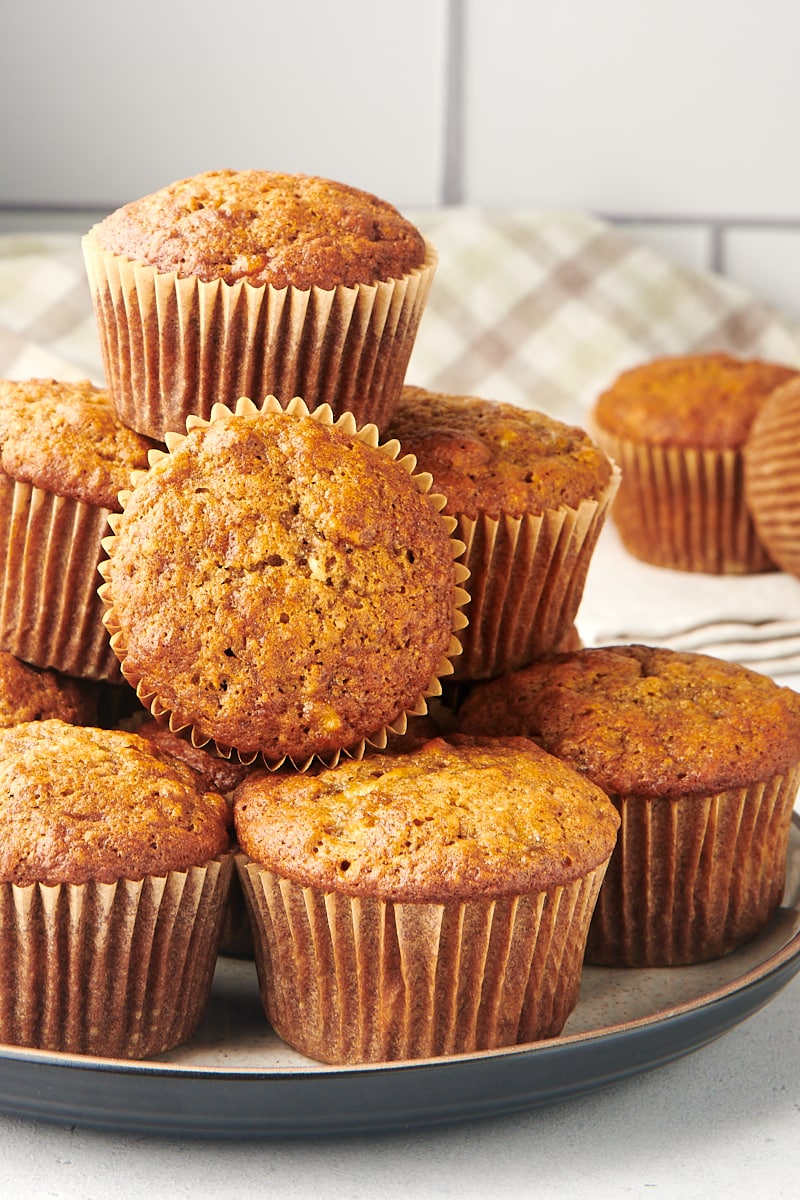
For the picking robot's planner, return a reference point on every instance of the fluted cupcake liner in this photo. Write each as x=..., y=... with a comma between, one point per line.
x=121, y=970
x=174, y=347
x=685, y=508
x=772, y=477
x=181, y=722
x=527, y=576
x=50, y=613
x=356, y=979
x=693, y=878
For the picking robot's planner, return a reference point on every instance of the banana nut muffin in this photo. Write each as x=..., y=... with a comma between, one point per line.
x=772, y=475
x=256, y=282
x=281, y=586
x=422, y=903
x=32, y=694
x=701, y=756
x=677, y=427
x=64, y=457
x=114, y=874
x=530, y=494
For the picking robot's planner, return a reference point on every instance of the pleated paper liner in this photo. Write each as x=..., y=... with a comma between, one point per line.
x=527, y=576
x=356, y=979
x=50, y=613
x=772, y=475
x=694, y=878
x=120, y=970
x=377, y=738
x=685, y=508
x=174, y=347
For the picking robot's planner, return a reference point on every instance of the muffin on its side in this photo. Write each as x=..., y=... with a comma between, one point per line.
x=530, y=496
x=255, y=283
x=677, y=427
x=32, y=694
x=702, y=759
x=772, y=475
x=64, y=458
x=114, y=873
x=283, y=586
x=409, y=905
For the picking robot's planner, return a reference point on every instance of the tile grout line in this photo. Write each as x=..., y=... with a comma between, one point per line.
x=452, y=187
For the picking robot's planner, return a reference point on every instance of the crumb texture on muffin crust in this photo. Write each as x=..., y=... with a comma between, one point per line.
x=265, y=227
x=457, y=819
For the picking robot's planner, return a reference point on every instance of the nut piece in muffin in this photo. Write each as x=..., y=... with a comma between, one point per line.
x=33, y=694
x=282, y=586
x=702, y=758
x=772, y=475
x=114, y=874
x=64, y=458
x=254, y=282
x=677, y=427
x=434, y=902
x=530, y=495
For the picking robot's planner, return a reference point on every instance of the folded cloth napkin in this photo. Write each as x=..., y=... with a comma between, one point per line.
x=541, y=309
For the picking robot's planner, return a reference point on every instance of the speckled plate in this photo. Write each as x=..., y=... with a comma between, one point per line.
x=237, y=1079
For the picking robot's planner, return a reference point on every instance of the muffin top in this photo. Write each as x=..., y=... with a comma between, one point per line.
x=30, y=693
x=65, y=439
x=457, y=819
x=493, y=458
x=216, y=774
x=707, y=401
x=80, y=803
x=267, y=228
x=772, y=475
x=280, y=585
x=646, y=721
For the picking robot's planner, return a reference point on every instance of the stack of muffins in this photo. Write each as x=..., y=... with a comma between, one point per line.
x=319, y=583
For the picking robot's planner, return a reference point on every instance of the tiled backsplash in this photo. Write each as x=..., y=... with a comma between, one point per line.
x=673, y=119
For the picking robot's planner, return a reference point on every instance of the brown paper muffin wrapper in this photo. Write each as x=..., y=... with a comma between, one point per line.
x=50, y=613
x=173, y=347
x=347, y=979
x=772, y=476
x=526, y=581
x=181, y=722
x=685, y=508
x=120, y=970
x=691, y=879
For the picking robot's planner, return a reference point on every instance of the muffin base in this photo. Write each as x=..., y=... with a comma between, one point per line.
x=684, y=508
x=120, y=970
x=346, y=979
x=692, y=879
x=174, y=347
x=50, y=613
x=526, y=581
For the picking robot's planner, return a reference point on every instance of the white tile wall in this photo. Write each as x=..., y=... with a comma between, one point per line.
x=675, y=118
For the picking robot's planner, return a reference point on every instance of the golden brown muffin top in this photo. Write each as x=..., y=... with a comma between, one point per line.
x=646, y=721
x=216, y=774
x=458, y=819
x=707, y=401
x=30, y=693
x=281, y=585
x=80, y=803
x=493, y=458
x=267, y=228
x=65, y=438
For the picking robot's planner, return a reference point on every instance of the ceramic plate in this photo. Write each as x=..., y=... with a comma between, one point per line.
x=237, y=1079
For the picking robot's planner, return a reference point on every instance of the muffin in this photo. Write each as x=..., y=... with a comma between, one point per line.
x=702, y=759
x=772, y=475
x=677, y=427
x=64, y=457
x=255, y=283
x=114, y=873
x=30, y=694
x=415, y=905
x=282, y=586
x=530, y=496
